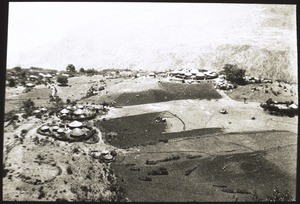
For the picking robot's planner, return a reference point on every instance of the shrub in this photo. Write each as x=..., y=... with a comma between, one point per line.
x=63, y=80
x=69, y=170
x=24, y=131
x=159, y=171
x=146, y=178
x=11, y=82
x=163, y=140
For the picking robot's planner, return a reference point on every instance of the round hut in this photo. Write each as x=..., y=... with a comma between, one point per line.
x=75, y=124
x=77, y=132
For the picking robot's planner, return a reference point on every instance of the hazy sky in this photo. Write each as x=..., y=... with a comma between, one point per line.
x=36, y=27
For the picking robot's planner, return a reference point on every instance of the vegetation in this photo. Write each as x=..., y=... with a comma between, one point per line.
x=28, y=106
x=277, y=196
x=234, y=74
x=71, y=68
x=63, y=80
x=11, y=82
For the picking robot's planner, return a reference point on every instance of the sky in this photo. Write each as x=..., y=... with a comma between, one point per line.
x=120, y=31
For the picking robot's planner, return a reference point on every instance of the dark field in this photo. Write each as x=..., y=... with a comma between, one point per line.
x=222, y=178
x=142, y=129
x=167, y=92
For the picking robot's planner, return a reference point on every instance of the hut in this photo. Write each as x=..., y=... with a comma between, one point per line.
x=69, y=107
x=30, y=85
x=75, y=124
x=55, y=128
x=187, y=75
x=36, y=111
x=60, y=131
x=45, y=128
x=105, y=152
x=194, y=71
x=48, y=76
x=78, y=112
x=64, y=111
x=77, y=132
x=44, y=109
x=200, y=75
x=80, y=106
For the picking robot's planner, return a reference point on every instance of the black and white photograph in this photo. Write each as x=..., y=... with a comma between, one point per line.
x=150, y=102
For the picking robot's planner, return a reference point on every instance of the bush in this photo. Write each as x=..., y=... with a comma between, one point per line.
x=146, y=178
x=69, y=170
x=28, y=106
x=234, y=74
x=11, y=82
x=159, y=171
x=163, y=140
x=63, y=80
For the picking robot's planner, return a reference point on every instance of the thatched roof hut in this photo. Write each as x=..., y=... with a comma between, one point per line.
x=78, y=112
x=45, y=128
x=77, y=132
x=64, y=111
x=75, y=124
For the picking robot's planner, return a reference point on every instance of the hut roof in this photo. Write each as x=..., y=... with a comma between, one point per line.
x=69, y=107
x=75, y=124
x=60, y=130
x=80, y=106
x=36, y=111
x=294, y=106
x=45, y=127
x=105, y=152
x=78, y=112
x=55, y=127
x=200, y=74
x=30, y=85
x=108, y=157
x=77, y=132
x=44, y=109
x=64, y=111
x=33, y=76
x=48, y=76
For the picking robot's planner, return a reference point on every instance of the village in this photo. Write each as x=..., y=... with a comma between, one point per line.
x=87, y=135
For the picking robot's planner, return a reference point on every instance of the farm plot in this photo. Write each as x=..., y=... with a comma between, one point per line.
x=165, y=92
x=142, y=129
x=221, y=178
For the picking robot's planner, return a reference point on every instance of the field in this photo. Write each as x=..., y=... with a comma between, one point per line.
x=228, y=172
x=205, y=155
x=142, y=129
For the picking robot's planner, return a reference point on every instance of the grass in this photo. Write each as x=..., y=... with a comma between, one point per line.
x=142, y=129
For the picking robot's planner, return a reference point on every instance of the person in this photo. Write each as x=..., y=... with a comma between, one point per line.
x=53, y=90
x=245, y=99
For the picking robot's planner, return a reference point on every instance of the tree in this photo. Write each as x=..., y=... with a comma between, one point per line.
x=63, y=80
x=28, y=107
x=70, y=68
x=17, y=69
x=81, y=70
x=11, y=82
x=234, y=74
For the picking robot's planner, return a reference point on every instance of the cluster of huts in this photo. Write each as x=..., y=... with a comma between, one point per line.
x=79, y=112
x=255, y=80
x=104, y=155
x=280, y=108
x=73, y=131
x=195, y=74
